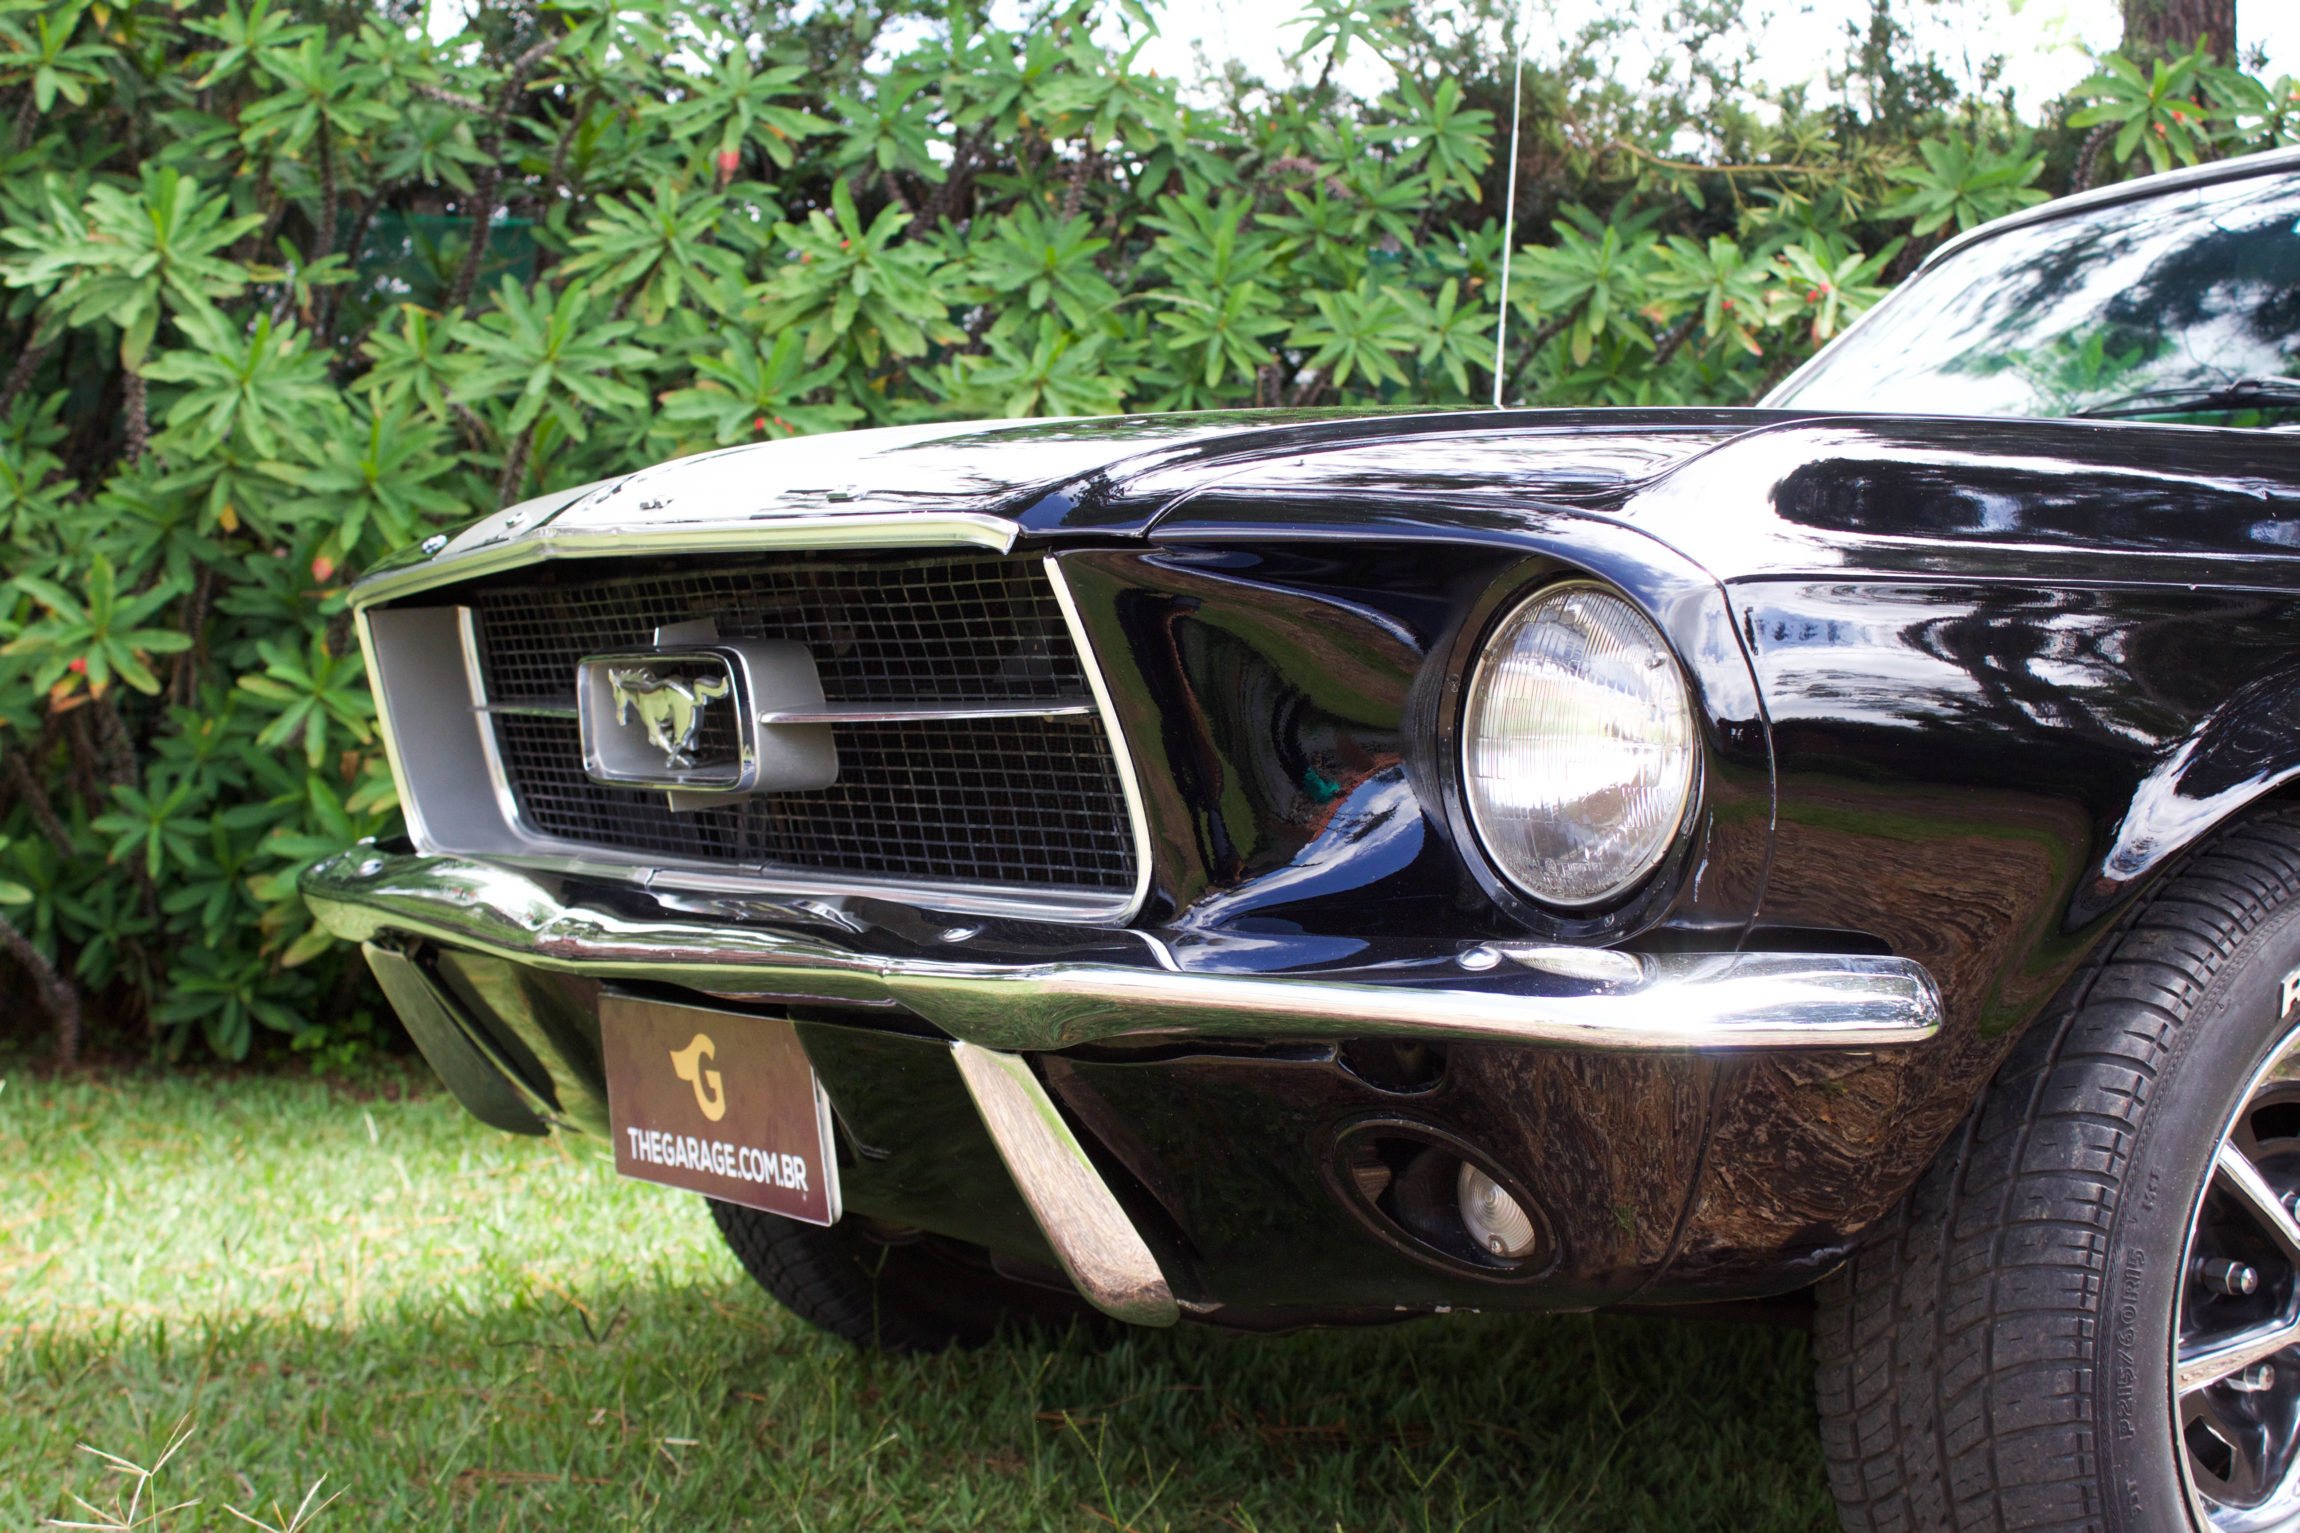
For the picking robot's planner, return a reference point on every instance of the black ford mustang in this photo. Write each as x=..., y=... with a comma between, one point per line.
x=1271, y=869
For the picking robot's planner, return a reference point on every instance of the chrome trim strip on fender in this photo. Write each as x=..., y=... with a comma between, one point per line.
x=1120, y=750
x=1694, y=1001
x=1092, y=1237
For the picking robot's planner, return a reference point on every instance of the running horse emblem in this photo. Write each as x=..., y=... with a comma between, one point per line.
x=670, y=706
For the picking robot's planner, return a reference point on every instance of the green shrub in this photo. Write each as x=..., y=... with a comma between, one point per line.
x=287, y=285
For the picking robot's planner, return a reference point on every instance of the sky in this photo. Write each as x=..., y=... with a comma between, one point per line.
x=2043, y=42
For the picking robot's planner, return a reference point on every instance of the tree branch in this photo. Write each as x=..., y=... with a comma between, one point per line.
x=33, y=795
x=20, y=375
x=491, y=174
x=57, y=997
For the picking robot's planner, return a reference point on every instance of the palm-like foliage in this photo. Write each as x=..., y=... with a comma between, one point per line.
x=1045, y=261
x=740, y=102
x=369, y=285
x=551, y=352
x=1966, y=182
x=2155, y=113
x=126, y=258
x=658, y=252
x=95, y=634
x=1592, y=281
x=42, y=58
x=848, y=283
x=746, y=392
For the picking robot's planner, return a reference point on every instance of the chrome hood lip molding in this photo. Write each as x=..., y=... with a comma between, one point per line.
x=849, y=490
x=1675, y=1002
x=895, y=487
x=503, y=548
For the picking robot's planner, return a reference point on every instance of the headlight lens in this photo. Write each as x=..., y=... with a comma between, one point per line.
x=1578, y=746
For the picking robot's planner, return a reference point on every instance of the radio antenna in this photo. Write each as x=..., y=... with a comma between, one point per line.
x=1509, y=201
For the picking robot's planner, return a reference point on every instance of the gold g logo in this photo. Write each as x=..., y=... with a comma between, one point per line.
x=688, y=1062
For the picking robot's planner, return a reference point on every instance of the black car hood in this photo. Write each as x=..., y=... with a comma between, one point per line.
x=1755, y=494
x=1985, y=497
x=1441, y=458
x=1744, y=493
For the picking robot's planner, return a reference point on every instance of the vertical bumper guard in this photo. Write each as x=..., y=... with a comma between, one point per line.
x=1093, y=1238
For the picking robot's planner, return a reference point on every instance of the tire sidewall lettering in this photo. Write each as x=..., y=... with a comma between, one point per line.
x=2209, y=1062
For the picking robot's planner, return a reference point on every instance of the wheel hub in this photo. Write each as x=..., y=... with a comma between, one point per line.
x=2236, y=1347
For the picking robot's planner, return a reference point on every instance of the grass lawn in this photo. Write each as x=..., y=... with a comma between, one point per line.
x=459, y=1329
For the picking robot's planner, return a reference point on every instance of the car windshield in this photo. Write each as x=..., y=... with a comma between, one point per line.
x=2181, y=307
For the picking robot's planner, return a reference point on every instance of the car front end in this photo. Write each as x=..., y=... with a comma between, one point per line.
x=1270, y=870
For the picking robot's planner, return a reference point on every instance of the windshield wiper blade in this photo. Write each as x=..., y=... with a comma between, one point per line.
x=2237, y=394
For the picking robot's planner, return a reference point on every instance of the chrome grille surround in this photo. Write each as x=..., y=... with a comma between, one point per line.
x=1031, y=810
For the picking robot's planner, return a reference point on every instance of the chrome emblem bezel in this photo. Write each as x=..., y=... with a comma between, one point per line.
x=643, y=715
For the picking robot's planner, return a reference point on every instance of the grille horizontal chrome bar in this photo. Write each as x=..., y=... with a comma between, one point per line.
x=899, y=713
x=850, y=713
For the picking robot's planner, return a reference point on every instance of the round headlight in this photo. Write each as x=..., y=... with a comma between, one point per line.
x=1578, y=746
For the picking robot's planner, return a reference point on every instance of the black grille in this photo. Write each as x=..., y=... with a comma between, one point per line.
x=1031, y=803
x=962, y=630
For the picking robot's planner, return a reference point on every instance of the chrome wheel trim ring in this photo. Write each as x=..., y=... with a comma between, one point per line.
x=2235, y=1377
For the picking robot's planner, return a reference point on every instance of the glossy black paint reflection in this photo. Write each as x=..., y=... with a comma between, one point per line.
x=1234, y=1154
x=2010, y=499
x=1264, y=697
x=1291, y=704
x=912, y=1148
x=1131, y=492
x=2012, y=670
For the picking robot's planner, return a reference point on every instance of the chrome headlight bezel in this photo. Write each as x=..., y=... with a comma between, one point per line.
x=1654, y=850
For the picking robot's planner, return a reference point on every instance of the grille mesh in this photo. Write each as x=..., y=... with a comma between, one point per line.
x=1027, y=803
x=881, y=632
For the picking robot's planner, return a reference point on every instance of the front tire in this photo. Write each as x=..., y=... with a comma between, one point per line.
x=2002, y=1353
x=888, y=1289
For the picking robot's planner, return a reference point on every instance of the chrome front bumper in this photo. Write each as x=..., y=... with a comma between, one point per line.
x=1475, y=992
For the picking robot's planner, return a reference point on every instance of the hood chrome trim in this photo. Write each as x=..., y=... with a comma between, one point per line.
x=861, y=529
